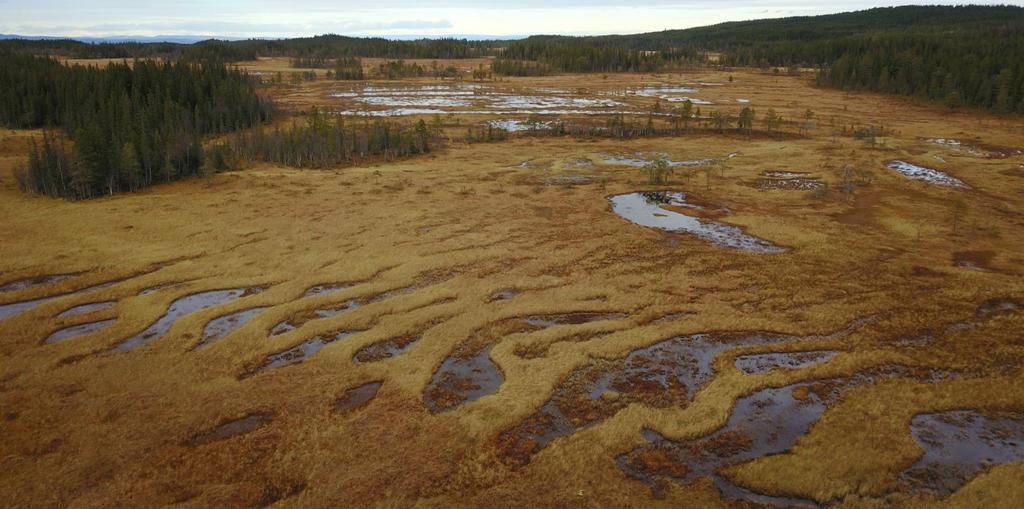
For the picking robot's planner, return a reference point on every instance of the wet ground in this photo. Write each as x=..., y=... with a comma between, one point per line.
x=224, y=325
x=300, y=353
x=235, y=427
x=932, y=176
x=385, y=349
x=579, y=318
x=180, y=308
x=87, y=308
x=326, y=312
x=664, y=374
x=640, y=160
x=523, y=248
x=648, y=209
x=788, y=180
x=462, y=379
x=767, y=422
x=466, y=98
x=357, y=397
x=79, y=330
x=976, y=149
x=765, y=362
x=16, y=308
x=35, y=282
x=960, y=444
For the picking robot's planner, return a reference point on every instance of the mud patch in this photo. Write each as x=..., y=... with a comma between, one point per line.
x=665, y=374
x=767, y=422
x=87, y=308
x=569, y=180
x=301, y=352
x=929, y=175
x=976, y=149
x=668, y=373
x=385, y=349
x=321, y=290
x=788, y=184
x=157, y=288
x=638, y=160
x=959, y=445
x=765, y=362
x=578, y=318
x=514, y=126
x=34, y=282
x=222, y=326
x=79, y=330
x=504, y=295
x=15, y=308
x=998, y=306
x=974, y=260
x=646, y=209
x=784, y=174
x=277, y=492
x=235, y=427
x=296, y=321
x=462, y=379
x=787, y=180
x=180, y=308
x=357, y=397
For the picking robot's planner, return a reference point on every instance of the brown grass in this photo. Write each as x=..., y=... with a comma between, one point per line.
x=86, y=429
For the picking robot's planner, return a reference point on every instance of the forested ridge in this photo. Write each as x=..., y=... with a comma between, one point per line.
x=970, y=55
x=132, y=125
x=960, y=55
x=570, y=54
x=129, y=125
x=327, y=46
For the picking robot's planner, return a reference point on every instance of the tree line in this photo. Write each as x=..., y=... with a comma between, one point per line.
x=960, y=55
x=541, y=54
x=130, y=125
x=327, y=46
x=322, y=141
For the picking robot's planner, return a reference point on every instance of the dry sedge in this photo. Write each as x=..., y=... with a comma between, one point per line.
x=425, y=245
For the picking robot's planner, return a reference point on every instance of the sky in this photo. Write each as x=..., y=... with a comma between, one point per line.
x=397, y=18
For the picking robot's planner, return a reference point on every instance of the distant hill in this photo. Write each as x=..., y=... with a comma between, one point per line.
x=970, y=55
x=117, y=39
x=881, y=20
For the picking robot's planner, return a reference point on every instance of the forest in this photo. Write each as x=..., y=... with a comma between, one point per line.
x=322, y=141
x=964, y=55
x=327, y=46
x=570, y=54
x=959, y=55
x=132, y=125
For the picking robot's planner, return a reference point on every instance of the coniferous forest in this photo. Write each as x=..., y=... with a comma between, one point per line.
x=320, y=141
x=131, y=125
x=959, y=55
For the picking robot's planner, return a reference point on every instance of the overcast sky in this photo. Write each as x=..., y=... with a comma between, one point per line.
x=285, y=18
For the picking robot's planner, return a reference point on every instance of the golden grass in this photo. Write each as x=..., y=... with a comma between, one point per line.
x=88, y=429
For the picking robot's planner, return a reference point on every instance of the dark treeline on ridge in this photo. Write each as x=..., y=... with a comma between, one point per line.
x=321, y=47
x=961, y=55
x=322, y=142
x=132, y=125
x=569, y=54
x=970, y=55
